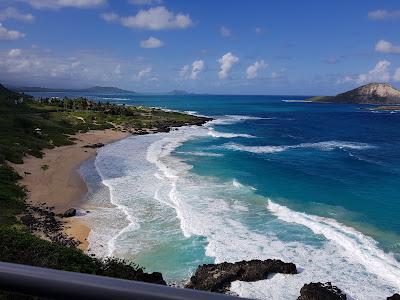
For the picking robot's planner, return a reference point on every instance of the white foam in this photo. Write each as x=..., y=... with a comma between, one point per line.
x=115, y=98
x=300, y=101
x=200, y=153
x=228, y=135
x=356, y=246
x=232, y=119
x=323, y=146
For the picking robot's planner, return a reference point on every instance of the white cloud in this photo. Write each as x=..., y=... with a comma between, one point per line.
x=14, y=52
x=252, y=70
x=145, y=2
x=157, y=18
x=197, y=67
x=192, y=71
x=151, y=42
x=225, y=31
x=226, y=61
x=144, y=73
x=13, y=13
x=396, y=76
x=382, y=14
x=184, y=72
x=379, y=73
x=109, y=17
x=56, y=4
x=387, y=47
x=6, y=34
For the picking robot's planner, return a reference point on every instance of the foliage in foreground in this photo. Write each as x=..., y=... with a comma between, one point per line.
x=19, y=246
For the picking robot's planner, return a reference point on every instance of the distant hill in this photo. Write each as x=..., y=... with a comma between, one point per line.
x=179, y=92
x=7, y=95
x=372, y=93
x=95, y=89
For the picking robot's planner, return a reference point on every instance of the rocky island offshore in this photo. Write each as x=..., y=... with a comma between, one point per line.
x=372, y=93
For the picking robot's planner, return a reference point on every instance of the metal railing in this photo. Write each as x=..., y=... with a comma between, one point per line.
x=57, y=284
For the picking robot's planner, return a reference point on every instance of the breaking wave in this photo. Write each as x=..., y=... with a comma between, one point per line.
x=323, y=146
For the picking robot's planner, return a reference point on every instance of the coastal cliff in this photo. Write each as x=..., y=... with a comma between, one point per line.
x=372, y=93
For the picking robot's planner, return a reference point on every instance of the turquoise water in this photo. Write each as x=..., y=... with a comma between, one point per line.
x=315, y=184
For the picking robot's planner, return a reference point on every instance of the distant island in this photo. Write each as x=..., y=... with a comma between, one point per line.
x=372, y=93
x=94, y=89
x=179, y=92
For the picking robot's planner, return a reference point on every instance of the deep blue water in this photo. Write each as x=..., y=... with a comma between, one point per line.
x=338, y=162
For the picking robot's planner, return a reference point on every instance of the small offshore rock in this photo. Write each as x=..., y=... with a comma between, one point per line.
x=69, y=213
x=321, y=291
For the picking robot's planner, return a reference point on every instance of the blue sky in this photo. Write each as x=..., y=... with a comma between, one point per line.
x=233, y=47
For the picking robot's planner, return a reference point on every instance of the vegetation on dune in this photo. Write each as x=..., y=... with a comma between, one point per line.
x=27, y=126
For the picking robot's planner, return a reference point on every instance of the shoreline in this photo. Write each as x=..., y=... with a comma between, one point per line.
x=55, y=180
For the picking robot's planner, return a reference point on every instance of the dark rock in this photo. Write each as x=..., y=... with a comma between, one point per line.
x=218, y=277
x=43, y=222
x=155, y=277
x=28, y=220
x=321, y=291
x=69, y=213
x=394, y=297
x=93, y=146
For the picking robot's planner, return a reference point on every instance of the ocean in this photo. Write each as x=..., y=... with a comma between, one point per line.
x=308, y=183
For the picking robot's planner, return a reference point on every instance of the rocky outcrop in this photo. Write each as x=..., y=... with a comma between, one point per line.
x=218, y=277
x=321, y=291
x=394, y=297
x=69, y=213
x=43, y=222
x=94, y=146
x=372, y=93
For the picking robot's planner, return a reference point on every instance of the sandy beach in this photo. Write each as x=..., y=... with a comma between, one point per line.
x=54, y=179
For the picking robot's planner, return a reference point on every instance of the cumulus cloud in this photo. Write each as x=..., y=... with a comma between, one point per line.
x=382, y=14
x=227, y=61
x=379, y=73
x=396, y=76
x=184, y=72
x=109, y=17
x=38, y=66
x=157, y=18
x=151, y=42
x=14, y=52
x=192, y=71
x=145, y=2
x=387, y=47
x=6, y=34
x=142, y=74
x=197, y=67
x=56, y=4
x=252, y=70
x=225, y=31
x=13, y=13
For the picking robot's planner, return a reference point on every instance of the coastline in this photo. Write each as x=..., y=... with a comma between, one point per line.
x=55, y=181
